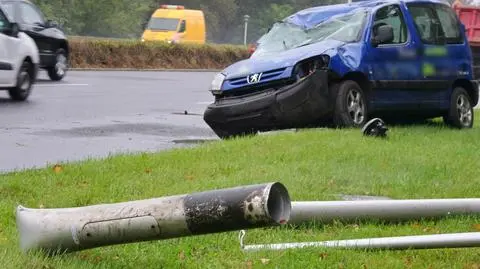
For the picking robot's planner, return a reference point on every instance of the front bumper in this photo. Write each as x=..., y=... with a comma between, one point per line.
x=302, y=103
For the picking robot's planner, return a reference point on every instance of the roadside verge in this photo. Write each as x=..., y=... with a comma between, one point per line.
x=129, y=55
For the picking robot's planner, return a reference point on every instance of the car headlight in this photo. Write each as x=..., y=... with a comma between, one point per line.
x=308, y=66
x=217, y=83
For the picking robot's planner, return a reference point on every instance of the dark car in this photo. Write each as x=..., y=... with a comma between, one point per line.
x=51, y=40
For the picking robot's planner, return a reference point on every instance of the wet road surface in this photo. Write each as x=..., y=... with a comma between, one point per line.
x=95, y=114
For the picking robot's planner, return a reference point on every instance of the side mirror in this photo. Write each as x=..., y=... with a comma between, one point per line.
x=12, y=30
x=384, y=34
x=52, y=24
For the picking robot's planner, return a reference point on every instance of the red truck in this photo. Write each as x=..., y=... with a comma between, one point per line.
x=470, y=17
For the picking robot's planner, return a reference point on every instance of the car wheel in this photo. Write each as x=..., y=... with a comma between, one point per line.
x=24, y=83
x=59, y=70
x=460, y=115
x=350, y=105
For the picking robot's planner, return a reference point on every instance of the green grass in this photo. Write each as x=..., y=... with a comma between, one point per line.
x=424, y=161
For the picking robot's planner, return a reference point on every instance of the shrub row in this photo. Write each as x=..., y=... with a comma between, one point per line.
x=92, y=53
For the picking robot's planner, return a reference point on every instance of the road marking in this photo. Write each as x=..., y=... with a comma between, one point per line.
x=204, y=103
x=58, y=85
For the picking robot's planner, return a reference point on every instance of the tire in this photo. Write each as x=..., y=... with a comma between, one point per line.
x=59, y=70
x=25, y=80
x=460, y=114
x=350, y=105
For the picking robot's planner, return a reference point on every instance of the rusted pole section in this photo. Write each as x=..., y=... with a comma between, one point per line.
x=64, y=230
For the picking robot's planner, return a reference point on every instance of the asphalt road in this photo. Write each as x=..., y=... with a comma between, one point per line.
x=94, y=114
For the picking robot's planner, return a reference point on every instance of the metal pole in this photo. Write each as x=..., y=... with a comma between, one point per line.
x=73, y=229
x=246, y=18
x=388, y=210
x=455, y=240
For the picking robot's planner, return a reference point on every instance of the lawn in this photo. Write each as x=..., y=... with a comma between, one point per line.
x=422, y=161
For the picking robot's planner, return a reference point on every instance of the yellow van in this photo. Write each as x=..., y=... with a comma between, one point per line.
x=176, y=24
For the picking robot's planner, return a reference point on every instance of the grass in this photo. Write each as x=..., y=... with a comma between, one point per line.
x=113, y=53
x=425, y=161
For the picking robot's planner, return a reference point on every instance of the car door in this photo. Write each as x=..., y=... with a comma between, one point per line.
x=392, y=65
x=442, y=52
x=7, y=52
x=33, y=23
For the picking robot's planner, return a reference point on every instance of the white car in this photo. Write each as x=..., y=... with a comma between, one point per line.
x=19, y=60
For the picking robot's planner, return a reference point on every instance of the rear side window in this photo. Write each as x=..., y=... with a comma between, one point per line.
x=392, y=15
x=426, y=23
x=450, y=24
x=436, y=24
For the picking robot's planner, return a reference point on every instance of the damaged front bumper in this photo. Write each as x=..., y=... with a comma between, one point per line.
x=303, y=103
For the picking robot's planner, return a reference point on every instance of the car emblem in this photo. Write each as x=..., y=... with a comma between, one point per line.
x=254, y=78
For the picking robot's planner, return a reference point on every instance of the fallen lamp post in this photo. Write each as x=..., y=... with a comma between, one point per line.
x=436, y=241
x=64, y=230
x=386, y=210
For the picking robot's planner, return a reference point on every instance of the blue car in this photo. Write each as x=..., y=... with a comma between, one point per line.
x=344, y=64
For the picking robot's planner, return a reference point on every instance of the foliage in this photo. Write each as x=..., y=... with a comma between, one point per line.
x=127, y=19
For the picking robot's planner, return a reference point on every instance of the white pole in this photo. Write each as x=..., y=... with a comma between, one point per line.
x=435, y=241
x=246, y=17
x=388, y=210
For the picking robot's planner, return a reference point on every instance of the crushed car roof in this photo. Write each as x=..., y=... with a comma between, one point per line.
x=310, y=17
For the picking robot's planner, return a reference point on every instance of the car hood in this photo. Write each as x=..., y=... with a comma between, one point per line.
x=278, y=60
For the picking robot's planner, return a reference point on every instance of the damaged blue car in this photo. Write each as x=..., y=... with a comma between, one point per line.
x=344, y=64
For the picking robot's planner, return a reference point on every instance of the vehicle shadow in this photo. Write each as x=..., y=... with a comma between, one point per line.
x=6, y=100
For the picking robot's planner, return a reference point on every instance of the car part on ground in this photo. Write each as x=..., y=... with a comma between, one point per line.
x=382, y=210
x=375, y=127
x=62, y=230
x=436, y=241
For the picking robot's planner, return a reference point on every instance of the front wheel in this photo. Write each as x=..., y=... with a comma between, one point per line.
x=59, y=70
x=24, y=83
x=350, y=105
x=460, y=114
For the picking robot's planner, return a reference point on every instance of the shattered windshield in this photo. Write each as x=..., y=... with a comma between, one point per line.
x=285, y=36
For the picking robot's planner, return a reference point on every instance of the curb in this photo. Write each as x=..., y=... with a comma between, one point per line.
x=147, y=70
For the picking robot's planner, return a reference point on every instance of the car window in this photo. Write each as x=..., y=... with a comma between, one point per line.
x=392, y=15
x=183, y=27
x=426, y=23
x=8, y=9
x=3, y=22
x=30, y=15
x=450, y=24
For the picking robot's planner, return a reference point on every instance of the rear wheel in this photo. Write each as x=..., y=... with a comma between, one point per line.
x=460, y=115
x=350, y=105
x=24, y=83
x=59, y=70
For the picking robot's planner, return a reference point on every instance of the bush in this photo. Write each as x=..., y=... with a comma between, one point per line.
x=94, y=53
